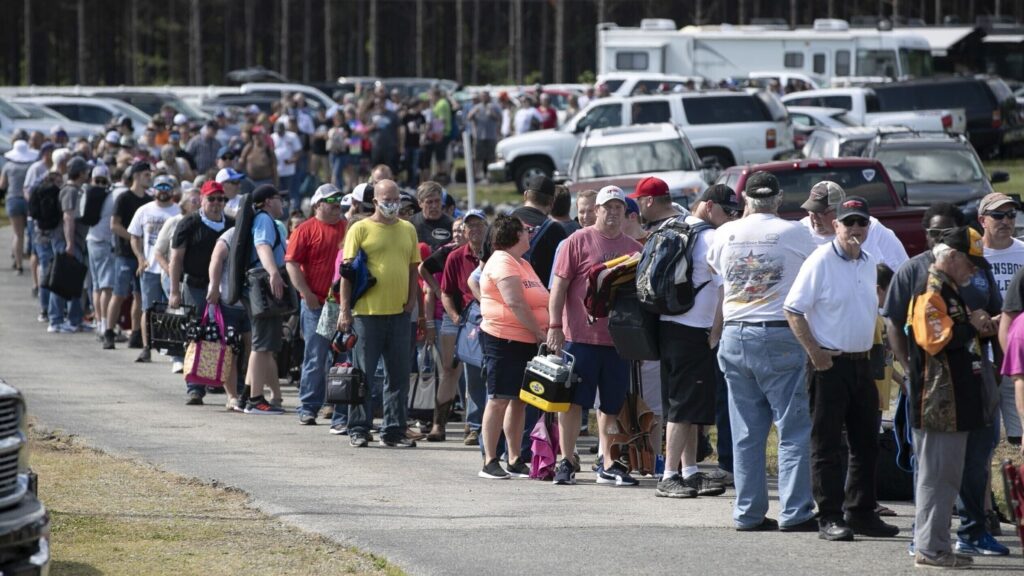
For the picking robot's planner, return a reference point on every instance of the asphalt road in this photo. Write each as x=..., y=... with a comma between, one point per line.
x=423, y=509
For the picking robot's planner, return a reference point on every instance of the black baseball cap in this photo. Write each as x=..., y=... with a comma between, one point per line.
x=722, y=195
x=967, y=240
x=263, y=193
x=762, y=185
x=852, y=206
x=542, y=184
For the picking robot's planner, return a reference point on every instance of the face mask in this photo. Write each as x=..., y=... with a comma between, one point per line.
x=389, y=209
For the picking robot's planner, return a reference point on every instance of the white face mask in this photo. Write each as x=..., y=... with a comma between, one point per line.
x=389, y=209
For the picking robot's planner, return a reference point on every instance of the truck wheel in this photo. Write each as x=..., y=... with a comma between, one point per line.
x=722, y=155
x=529, y=168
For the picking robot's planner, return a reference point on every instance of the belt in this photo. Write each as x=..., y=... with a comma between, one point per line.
x=852, y=355
x=765, y=324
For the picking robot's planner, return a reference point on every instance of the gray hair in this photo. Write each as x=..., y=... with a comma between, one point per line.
x=769, y=205
x=942, y=252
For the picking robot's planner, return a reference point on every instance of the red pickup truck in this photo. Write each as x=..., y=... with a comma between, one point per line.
x=863, y=177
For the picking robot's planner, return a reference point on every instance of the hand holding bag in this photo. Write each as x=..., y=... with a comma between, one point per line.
x=328, y=323
x=261, y=297
x=468, y=347
x=208, y=362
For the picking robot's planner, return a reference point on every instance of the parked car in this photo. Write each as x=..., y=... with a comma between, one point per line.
x=638, y=84
x=24, y=521
x=93, y=110
x=845, y=141
x=858, y=176
x=624, y=156
x=991, y=118
x=242, y=101
x=806, y=119
x=314, y=97
x=730, y=127
x=29, y=117
x=865, y=107
x=151, y=103
x=935, y=168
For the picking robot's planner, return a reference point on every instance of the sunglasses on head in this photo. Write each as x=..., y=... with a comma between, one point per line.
x=855, y=221
x=1011, y=214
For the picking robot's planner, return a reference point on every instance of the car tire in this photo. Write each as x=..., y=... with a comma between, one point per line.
x=529, y=168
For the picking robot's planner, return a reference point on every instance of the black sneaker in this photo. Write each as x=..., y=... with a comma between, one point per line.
x=307, y=419
x=617, y=475
x=136, y=340
x=357, y=440
x=144, y=357
x=674, y=487
x=834, y=530
x=397, y=442
x=194, y=399
x=493, y=471
x=871, y=526
x=704, y=485
x=704, y=448
x=564, y=474
x=518, y=469
x=108, y=340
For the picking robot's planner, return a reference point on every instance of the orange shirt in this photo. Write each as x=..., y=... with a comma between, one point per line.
x=498, y=319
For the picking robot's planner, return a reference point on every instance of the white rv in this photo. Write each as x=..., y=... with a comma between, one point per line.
x=830, y=49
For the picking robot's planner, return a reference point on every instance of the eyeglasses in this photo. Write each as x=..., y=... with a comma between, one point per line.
x=855, y=221
x=216, y=198
x=1011, y=214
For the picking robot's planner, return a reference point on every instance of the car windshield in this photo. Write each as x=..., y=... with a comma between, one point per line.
x=946, y=166
x=12, y=110
x=642, y=158
x=864, y=181
x=37, y=112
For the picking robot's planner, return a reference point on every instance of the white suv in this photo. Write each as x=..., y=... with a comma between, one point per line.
x=624, y=156
x=730, y=127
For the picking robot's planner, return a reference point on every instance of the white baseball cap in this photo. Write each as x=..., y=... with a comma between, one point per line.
x=180, y=119
x=609, y=193
x=324, y=191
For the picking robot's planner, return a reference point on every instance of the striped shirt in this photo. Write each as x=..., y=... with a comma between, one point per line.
x=314, y=247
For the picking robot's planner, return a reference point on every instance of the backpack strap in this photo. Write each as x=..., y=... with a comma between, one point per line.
x=277, y=231
x=535, y=239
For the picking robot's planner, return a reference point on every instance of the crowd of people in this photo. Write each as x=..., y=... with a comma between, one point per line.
x=784, y=329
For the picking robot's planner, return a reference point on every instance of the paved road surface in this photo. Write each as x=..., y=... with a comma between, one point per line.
x=423, y=509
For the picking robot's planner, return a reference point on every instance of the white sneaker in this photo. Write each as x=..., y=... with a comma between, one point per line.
x=42, y=318
x=177, y=367
x=63, y=328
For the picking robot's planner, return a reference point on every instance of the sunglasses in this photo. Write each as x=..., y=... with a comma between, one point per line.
x=855, y=221
x=732, y=212
x=1011, y=214
x=216, y=198
x=935, y=232
x=331, y=200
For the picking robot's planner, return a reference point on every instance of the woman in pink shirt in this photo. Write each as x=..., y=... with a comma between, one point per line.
x=515, y=321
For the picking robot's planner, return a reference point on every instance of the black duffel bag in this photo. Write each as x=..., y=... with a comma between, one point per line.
x=66, y=276
x=261, y=299
x=634, y=330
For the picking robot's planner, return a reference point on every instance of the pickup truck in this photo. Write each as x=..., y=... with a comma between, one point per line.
x=24, y=521
x=863, y=177
x=863, y=106
x=731, y=127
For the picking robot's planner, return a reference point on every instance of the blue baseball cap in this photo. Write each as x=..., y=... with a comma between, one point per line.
x=228, y=175
x=474, y=214
x=631, y=206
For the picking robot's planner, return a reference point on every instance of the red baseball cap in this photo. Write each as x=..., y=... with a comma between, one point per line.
x=650, y=186
x=211, y=187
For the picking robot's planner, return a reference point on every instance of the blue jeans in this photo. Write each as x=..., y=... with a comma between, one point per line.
x=765, y=370
x=44, y=251
x=476, y=395
x=315, y=362
x=970, y=503
x=60, y=307
x=384, y=337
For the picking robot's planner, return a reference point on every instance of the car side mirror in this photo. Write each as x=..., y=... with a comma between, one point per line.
x=901, y=191
x=999, y=176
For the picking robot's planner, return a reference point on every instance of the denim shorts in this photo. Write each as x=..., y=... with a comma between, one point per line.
x=16, y=206
x=152, y=290
x=447, y=327
x=505, y=362
x=101, y=265
x=599, y=369
x=126, y=282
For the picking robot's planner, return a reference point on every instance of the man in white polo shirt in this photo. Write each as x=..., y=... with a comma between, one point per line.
x=881, y=242
x=832, y=307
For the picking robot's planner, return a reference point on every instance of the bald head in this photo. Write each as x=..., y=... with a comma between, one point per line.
x=381, y=172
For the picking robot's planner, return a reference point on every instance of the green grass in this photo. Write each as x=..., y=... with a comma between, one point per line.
x=1016, y=170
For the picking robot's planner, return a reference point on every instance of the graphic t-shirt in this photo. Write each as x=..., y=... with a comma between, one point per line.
x=758, y=257
x=1005, y=263
x=498, y=319
x=146, y=224
x=577, y=255
x=435, y=233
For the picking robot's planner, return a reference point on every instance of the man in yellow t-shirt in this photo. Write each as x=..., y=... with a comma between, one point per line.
x=381, y=316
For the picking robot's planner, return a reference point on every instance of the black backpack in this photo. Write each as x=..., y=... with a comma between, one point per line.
x=90, y=204
x=44, y=206
x=664, y=277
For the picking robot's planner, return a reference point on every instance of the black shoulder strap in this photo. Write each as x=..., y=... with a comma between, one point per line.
x=277, y=231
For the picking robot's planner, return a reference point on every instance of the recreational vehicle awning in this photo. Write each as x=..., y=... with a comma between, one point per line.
x=943, y=39
x=1003, y=39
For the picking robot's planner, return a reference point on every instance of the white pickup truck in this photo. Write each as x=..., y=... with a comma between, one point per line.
x=724, y=127
x=863, y=107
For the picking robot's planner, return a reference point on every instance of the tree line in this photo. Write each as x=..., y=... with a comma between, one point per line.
x=470, y=41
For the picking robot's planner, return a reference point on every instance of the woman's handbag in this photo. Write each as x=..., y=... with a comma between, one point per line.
x=328, y=323
x=208, y=361
x=261, y=297
x=468, y=347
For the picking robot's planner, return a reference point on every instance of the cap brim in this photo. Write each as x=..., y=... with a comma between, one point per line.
x=980, y=262
x=860, y=213
x=812, y=205
x=1000, y=204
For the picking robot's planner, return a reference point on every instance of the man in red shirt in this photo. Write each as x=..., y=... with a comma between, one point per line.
x=312, y=250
